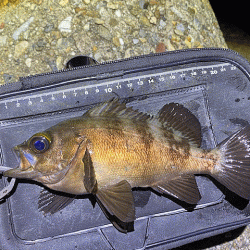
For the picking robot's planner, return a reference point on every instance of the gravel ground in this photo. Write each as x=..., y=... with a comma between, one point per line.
x=39, y=36
x=241, y=242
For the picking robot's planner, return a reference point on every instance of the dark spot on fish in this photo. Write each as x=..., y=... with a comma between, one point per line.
x=115, y=128
x=239, y=121
x=77, y=102
x=146, y=137
x=237, y=99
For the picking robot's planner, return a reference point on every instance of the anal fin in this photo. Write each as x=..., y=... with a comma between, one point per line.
x=182, y=187
x=118, y=200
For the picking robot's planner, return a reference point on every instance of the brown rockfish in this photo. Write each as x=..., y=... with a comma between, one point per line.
x=113, y=148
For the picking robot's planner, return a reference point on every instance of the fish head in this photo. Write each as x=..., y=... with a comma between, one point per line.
x=46, y=157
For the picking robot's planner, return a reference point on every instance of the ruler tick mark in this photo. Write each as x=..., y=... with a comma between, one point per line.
x=132, y=82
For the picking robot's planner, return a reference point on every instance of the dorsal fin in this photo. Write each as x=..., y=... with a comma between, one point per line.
x=114, y=108
x=179, y=118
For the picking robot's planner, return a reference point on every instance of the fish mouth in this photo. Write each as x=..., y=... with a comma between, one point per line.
x=25, y=169
x=19, y=173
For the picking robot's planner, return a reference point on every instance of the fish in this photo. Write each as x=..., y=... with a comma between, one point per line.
x=113, y=148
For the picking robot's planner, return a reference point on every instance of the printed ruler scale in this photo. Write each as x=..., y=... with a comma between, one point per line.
x=76, y=93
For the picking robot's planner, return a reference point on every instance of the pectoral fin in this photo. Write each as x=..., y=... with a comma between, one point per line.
x=182, y=187
x=89, y=171
x=51, y=203
x=118, y=200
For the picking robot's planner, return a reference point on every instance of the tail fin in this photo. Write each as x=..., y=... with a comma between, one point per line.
x=233, y=169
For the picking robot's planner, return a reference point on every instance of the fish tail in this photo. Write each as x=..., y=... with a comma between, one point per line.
x=233, y=167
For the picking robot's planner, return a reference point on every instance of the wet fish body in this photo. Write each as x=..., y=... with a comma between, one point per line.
x=112, y=148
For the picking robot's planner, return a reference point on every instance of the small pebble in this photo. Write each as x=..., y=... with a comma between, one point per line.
x=22, y=28
x=104, y=33
x=188, y=42
x=153, y=20
x=59, y=64
x=121, y=41
x=162, y=23
x=20, y=48
x=8, y=78
x=49, y=27
x=143, y=20
x=178, y=32
x=160, y=48
x=116, y=41
x=86, y=27
x=28, y=62
x=65, y=25
x=180, y=27
x=135, y=41
x=112, y=6
x=99, y=21
x=143, y=39
x=3, y=40
x=63, y=2
x=98, y=57
x=118, y=13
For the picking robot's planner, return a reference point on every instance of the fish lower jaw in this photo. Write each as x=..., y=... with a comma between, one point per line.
x=20, y=173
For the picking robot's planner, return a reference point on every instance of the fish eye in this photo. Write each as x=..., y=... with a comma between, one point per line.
x=39, y=144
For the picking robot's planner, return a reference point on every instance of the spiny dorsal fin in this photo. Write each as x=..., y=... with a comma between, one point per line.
x=182, y=187
x=114, y=108
x=179, y=118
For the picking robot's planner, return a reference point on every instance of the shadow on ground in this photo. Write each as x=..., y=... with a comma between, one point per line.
x=213, y=241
